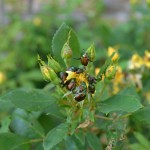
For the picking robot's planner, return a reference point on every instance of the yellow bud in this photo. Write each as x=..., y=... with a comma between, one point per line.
x=111, y=50
x=147, y=59
x=97, y=70
x=47, y=72
x=37, y=21
x=136, y=62
x=110, y=72
x=2, y=77
x=119, y=76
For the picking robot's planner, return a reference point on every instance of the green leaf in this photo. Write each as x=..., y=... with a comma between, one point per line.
x=70, y=144
x=127, y=101
x=93, y=141
x=80, y=136
x=5, y=124
x=55, y=136
x=5, y=105
x=26, y=124
x=30, y=99
x=142, y=115
x=142, y=140
x=59, y=40
x=136, y=147
x=9, y=141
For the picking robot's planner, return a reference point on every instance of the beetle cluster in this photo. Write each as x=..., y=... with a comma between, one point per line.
x=80, y=83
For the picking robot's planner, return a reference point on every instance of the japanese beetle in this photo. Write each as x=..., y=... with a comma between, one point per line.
x=73, y=69
x=84, y=59
x=82, y=87
x=80, y=96
x=63, y=76
x=71, y=85
x=91, y=88
x=79, y=70
x=91, y=79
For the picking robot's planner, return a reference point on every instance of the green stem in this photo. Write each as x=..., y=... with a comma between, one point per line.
x=102, y=117
x=36, y=140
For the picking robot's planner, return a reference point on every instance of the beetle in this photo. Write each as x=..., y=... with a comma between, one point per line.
x=84, y=59
x=91, y=79
x=91, y=88
x=62, y=76
x=71, y=85
x=80, y=96
x=79, y=70
x=80, y=92
x=82, y=87
x=73, y=69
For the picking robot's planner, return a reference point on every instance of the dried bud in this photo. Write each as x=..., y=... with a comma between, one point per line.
x=53, y=64
x=91, y=52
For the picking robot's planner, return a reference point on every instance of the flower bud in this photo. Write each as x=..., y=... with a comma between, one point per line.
x=37, y=21
x=91, y=52
x=53, y=64
x=47, y=72
x=147, y=59
x=111, y=50
x=110, y=72
x=66, y=52
x=136, y=62
x=2, y=77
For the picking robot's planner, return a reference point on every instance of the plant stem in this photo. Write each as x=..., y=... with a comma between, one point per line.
x=36, y=140
x=102, y=117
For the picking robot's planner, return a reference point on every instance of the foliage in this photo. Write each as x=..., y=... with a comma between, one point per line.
x=103, y=102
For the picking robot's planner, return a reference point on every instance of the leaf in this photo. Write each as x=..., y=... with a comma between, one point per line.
x=142, y=140
x=93, y=141
x=10, y=141
x=136, y=147
x=126, y=101
x=26, y=124
x=80, y=136
x=5, y=124
x=55, y=136
x=142, y=115
x=30, y=99
x=70, y=144
x=5, y=105
x=59, y=40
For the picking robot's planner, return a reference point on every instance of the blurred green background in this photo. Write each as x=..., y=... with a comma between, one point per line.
x=27, y=28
